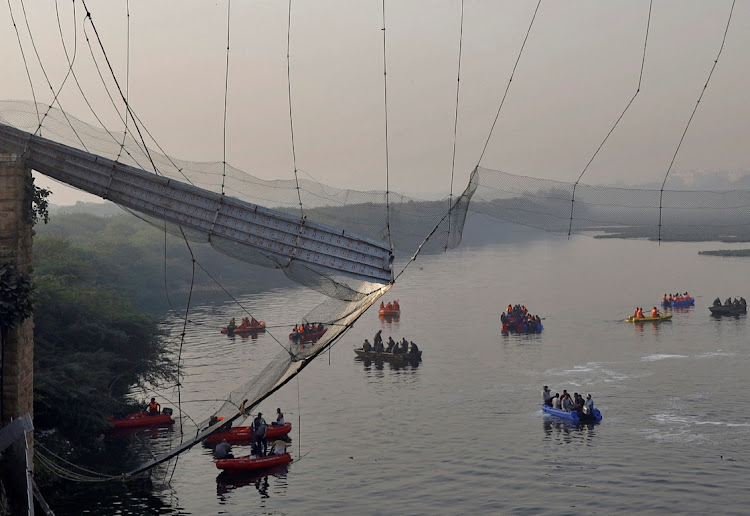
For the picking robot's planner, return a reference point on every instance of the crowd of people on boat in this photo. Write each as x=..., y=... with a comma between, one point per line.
x=638, y=314
x=247, y=322
x=260, y=446
x=404, y=347
x=390, y=306
x=517, y=318
x=307, y=328
x=668, y=299
x=565, y=402
x=728, y=302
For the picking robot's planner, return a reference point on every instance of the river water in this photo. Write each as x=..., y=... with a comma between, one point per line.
x=462, y=432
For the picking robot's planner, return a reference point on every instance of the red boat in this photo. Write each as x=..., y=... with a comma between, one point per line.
x=254, y=328
x=393, y=312
x=243, y=434
x=307, y=337
x=141, y=419
x=247, y=464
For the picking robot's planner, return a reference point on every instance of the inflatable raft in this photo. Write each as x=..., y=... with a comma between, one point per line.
x=306, y=337
x=572, y=416
x=248, y=464
x=392, y=357
x=142, y=419
x=389, y=312
x=728, y=310
x=261, y=326
x=244, y=434
x=677, y=304
x=660, y=318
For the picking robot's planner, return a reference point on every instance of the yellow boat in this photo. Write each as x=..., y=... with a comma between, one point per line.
x=660, y=318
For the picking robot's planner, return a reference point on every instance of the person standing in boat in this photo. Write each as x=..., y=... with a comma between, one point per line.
x=153, y=408
x=223, y=450
x=556, y=400
x=259, y=432
x=547, y=396
x=588, y=406
x=378, y=338
x=279, y=418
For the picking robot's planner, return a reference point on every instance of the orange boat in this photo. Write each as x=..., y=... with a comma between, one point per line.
x=142, y=419
x=253, y=328
x=390, y=309
x=307, y=337
x=248, y=464
x=244, y=434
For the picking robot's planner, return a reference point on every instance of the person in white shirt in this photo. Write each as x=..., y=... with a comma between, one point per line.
x=588, y=406
x=279, y=418
x=280, y=445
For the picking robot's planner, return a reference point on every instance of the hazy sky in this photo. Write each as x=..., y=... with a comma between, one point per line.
x=578, y=71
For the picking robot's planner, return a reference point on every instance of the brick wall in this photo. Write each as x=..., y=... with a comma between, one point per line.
x=15, y=245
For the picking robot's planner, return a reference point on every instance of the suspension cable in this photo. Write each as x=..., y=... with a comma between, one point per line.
x=289, y=96
x=455, y=121
x=637, y=90
x=687, y=126
x=25, y=63
x=387, y=160
x=226, y=94
x=520, y=52
x=127, y=79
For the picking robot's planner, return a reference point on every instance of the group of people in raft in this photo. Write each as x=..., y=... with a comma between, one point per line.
x=390, y=306
x=520, y=320
x=638, y=314
x=304, y=329
x=669, y=299
x=247, y=322
x=260, y=446
x=563, y=401
x=403, y=348
x=737, y=302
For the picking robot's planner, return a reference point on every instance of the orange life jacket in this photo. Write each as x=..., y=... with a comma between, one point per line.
x=153, y=406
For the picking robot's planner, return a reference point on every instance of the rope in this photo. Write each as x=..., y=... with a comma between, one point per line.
x=455, y=121
x=226, y=94
x=489, y=136
x=637, y=90
x=289, y=96
x=127, y=79
x=687, y=126
x=387, y=160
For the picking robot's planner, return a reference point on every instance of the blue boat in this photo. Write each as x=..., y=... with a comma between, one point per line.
x=675, y=304
x=573, y=415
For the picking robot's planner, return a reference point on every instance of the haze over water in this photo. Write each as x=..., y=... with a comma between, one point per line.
x=463, y=433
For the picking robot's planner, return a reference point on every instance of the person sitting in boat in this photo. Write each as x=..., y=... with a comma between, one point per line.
x=556, y=400
x=503, y=318
x=728, y=302
x=640, y=313
x=654, y=313
x=255, y=452
x=687, y=296
x=391, y=345
x=404, y=345
x=367, y=347
x=320, y=326
x=279, y=418
x=577, y=402
x=153, y=408
x=635, y=314
x=588, y=406
x=670, y=299
x=378, y=347
x=223, y=450
x=717, y=302
x=546, y=396
x=413, y=350
x=396, y=306
x=742, y=301
x=567, y=403
x=382, y=305
x=258, y=428
x=664, y=299
x=254, y=322
x=280, y=445
x=389, y=306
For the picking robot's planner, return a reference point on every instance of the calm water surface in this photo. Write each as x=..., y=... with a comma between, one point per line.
x=462, y=432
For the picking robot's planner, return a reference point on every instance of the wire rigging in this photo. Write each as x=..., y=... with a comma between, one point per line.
x=127, y=79
x=25, y=63
x=289, y=96
x=687, y=126
x=520, y=52
x=637, y=90
x=226, y=94
x=455, y=119
x=387, y=160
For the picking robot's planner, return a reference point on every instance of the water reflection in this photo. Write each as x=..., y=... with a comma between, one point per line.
x=378, y=364
x=227, y=482
x=253, y=335
x=568, y=431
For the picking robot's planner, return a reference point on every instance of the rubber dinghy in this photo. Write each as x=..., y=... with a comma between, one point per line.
x=573, y=415
x=660, y=318
x=243, y=433
x=677, y=304
x=142, y=419
x=248, y=464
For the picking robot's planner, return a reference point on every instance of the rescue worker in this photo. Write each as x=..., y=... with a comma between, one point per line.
x=153, y=408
